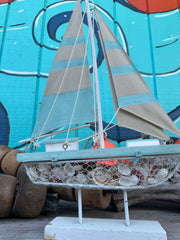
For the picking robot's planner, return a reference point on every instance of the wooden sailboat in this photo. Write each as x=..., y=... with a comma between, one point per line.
x=66, y=102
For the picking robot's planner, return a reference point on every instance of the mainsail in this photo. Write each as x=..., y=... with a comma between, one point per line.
x=63, y=84
x=136, y=106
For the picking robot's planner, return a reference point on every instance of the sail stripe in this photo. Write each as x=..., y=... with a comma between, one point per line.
x=62, y=110
x=122, y=70
x=136, y=99
x=78, y=62
x=71, y=41
x=112, y=45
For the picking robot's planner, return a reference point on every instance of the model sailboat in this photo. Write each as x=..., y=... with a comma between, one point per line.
x=67, y=101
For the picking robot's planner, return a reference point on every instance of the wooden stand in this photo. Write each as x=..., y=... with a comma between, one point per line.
x=68, y=228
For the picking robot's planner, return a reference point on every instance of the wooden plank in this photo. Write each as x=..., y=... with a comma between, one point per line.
x=107, y=153
x=166, y=213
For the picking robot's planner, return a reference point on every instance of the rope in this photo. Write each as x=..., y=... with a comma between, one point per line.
x=106, y=128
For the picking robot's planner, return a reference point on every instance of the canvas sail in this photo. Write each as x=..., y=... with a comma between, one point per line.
x=63, y=82
x=138, y=108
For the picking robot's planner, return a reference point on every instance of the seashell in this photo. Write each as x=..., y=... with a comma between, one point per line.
x=57, y=171
x=101, y=176
x=162, y=174
x=128, y=180
x=90, y=174
x=146, y=167
x=144, y=172
x=32, y=173
x=141, y=173
x=69, y=169
x=151, y=180
x=54, y=178
x=124, y=170
x=78, y=168
x=113, y=169
x=82, y=179
x=43, y=178
x=71, y=180
x=114, y=181
x=153, y=169
x=43, y=169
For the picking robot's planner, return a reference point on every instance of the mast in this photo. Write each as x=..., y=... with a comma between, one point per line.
x=95, y=76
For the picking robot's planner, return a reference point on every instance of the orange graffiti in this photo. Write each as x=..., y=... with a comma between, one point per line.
x=155, y=6
x=7, y=1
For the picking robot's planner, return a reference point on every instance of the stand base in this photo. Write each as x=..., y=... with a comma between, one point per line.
x=68, y=228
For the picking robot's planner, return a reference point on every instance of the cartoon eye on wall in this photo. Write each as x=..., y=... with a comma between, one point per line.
x=53, y=22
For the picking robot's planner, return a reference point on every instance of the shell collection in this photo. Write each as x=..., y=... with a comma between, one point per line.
x=126, y=173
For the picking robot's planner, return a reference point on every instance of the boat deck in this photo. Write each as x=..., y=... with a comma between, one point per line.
x=167, y=213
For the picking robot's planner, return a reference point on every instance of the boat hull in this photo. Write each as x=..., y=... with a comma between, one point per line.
x=116, y=168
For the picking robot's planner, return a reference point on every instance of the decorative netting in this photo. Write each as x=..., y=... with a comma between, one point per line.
x=143, y=172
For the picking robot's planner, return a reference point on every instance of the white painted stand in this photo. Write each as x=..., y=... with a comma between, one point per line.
x=69, y=228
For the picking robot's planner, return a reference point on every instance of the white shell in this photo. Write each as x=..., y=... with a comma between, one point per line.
x=101, y=176
x=82, y=179
x=78, y=168
x=128, y=180
x=33, y=173
x=146, y=167
x=162, y=174
x=143, y=171
x=113, y=169
x=71, y=180
x=90, y=174
x=124, y=170
x=151, y=180
x=69, y=169
x=59, y=172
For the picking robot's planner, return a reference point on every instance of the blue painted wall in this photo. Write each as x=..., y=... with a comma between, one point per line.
x=30, y=32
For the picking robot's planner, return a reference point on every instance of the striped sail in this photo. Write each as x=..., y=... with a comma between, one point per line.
x=63, y=84
x=138, y=108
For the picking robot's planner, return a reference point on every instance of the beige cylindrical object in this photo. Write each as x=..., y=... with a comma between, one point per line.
x=3, y=151
x=64, y=193
x=9, y=164
x=7, y=191
x=94, y=198
x=30, y=198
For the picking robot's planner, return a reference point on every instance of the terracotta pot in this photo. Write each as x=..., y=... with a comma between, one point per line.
x=7, y=191
x=30, y=198
x=94, y=198
x=9, y=164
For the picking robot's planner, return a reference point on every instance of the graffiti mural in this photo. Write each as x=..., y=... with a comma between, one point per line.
x=4, y=126
x=30, y=33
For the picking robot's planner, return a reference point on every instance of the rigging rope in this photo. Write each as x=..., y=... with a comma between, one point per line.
x=106, y=128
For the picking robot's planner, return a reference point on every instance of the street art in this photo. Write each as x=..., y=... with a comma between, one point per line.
x=4, y=126
x=30, y=33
